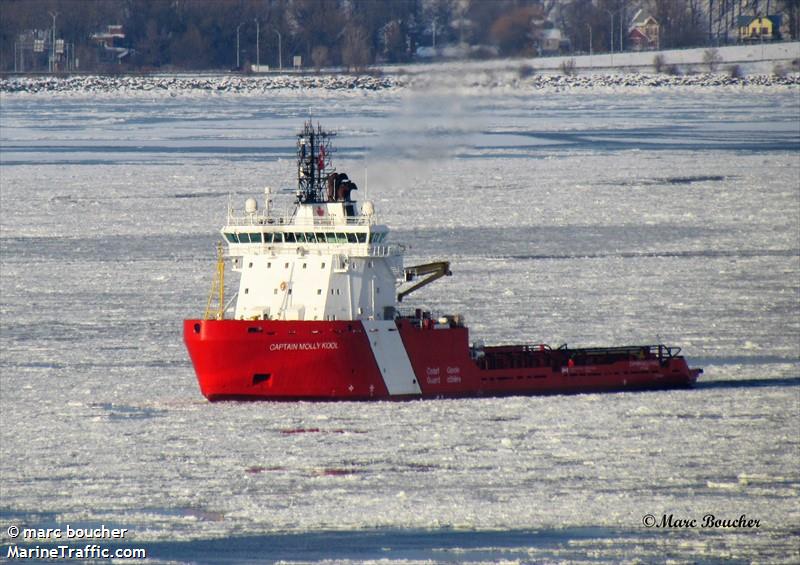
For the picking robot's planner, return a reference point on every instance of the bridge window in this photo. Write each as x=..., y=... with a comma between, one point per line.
x=310, y=237
x=255, y=237
x=244, y=238
x=277, y=238
x=351, y=238
x=231, y=237
x=362, y=237
x=341, y=238
x=268, y=237
x=331, y=237
x=289, y=237
x=300, y=237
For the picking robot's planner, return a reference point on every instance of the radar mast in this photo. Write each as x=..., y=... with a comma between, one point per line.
x=314, y=150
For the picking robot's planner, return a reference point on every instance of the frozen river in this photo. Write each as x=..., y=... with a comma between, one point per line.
x=593, y=218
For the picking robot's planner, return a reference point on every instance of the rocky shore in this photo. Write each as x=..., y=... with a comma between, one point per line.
x=175, y=85
x=182, y=84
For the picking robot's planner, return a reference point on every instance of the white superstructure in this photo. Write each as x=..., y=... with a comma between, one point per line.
x=326, y=261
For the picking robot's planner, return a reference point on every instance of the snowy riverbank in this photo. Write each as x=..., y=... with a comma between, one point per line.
x=188, y=84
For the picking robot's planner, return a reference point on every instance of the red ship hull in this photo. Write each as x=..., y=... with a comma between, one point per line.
x=406, y=359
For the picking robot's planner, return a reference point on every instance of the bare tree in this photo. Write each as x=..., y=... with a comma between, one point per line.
x=514, y=32
x=678, y=28
x=792, y=10
x=712, y=58
x=319, y=56
x=355, y=47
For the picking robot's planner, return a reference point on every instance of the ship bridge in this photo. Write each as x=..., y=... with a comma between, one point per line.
x=310, y=224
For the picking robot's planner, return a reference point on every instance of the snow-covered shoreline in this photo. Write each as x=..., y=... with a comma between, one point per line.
x=225, y=84
x=740, y=66
x=177, y=83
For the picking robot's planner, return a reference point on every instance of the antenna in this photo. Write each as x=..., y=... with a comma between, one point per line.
x=314, y=151
x=268, y=200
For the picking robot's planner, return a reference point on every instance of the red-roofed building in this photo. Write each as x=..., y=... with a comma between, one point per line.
x=644, y=34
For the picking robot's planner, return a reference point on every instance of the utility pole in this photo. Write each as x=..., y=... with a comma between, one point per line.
x=258, y=58
x=591, y=65
x=610, y=13
x=53, y=15
x=280, y=58
x=238, y=66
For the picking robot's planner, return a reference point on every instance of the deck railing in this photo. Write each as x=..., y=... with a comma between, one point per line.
x=290, y=220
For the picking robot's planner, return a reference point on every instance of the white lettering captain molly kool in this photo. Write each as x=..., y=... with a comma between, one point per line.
x=303, y=346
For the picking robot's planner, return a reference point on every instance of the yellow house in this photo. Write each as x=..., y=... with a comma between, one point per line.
x=757, y=28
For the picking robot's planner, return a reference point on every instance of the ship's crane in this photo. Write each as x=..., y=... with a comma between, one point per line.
x=431, y=272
